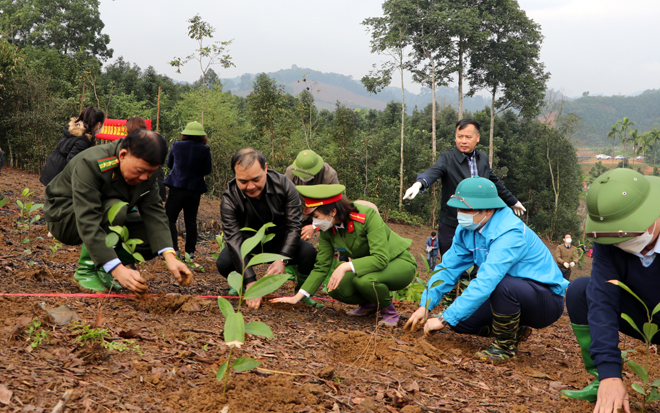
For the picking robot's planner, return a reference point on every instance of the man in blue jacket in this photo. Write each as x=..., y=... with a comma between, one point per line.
x=519, y=285
x=624, y=223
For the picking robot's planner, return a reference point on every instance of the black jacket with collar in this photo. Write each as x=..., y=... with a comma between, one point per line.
x=238, y=212
x=452, y=167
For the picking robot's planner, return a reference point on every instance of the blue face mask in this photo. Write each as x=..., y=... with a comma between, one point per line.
x=467, y=221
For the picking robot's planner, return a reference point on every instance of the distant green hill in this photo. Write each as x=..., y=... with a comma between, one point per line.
x=600, y=113
x=347, y=90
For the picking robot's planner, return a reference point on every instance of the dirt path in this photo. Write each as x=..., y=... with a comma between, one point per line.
x=318, y=361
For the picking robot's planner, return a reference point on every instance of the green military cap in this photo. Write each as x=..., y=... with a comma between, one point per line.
x=307, y=164
x=317, y=195
x=194, y=129
x=476, y=193
x=622, y=204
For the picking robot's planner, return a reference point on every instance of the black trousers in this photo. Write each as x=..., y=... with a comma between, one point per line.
x=305, y=258
x=578, y=309
x=188, y=201
x=538, y=305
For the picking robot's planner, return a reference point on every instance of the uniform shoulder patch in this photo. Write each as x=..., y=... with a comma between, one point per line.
x=107, y=164
x=358, y=217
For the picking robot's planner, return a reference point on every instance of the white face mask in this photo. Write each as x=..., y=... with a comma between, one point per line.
x=322, y=224
x=568, y=241
x=637, y=244
x=306, y=179
x=99, y=130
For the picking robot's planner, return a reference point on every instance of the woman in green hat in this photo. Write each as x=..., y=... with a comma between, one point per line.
x=189, y=161
x=380, y=260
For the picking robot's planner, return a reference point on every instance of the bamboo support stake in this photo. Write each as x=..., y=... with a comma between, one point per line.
x=59, y=408
x=158, y=111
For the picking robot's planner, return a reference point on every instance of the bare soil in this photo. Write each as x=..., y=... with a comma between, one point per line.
x=319, y=361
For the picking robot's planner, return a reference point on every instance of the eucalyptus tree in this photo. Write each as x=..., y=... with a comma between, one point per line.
x=200, y=31
x=389, y=37
x=650, y=143
x=612, y=135
x=266, y=108
x=508, y=65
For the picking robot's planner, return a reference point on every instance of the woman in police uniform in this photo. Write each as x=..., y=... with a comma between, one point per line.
x=380, y=260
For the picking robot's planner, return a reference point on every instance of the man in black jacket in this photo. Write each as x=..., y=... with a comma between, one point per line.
x=255, y=197
x=463, y=161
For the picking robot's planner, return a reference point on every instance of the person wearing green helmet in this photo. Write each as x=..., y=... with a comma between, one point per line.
x=380, y=260
x=189, y=162
x=624, y=223
x=309, y=169
x=519, y=286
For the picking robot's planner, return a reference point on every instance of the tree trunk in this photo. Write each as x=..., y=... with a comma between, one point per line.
x=460, y=78
x=492, y=126
x=203, y=96
x=433, y=135
x=403, y=119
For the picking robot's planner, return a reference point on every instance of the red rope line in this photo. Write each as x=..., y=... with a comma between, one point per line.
x=85, y=295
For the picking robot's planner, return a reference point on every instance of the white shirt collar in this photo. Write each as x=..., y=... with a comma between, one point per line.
x=648, y=259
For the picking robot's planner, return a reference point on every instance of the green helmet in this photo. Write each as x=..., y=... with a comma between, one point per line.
x=622, y=204
x=194, y=129
x=307, y=164
x=476, y=193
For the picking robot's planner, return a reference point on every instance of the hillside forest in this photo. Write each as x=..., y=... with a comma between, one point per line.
x=46, y=78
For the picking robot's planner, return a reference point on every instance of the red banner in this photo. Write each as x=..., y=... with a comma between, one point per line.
x=114, y=129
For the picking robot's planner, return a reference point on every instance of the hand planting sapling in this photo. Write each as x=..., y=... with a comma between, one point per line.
x=235, y=327
x=650, y=390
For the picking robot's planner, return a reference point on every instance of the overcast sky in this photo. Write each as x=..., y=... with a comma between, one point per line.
x=601, y=46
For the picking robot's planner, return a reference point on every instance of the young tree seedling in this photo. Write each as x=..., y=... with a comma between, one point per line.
x=235, y=327
x=121, y=235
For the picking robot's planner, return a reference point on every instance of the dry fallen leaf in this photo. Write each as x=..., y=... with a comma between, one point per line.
x=133, y=332
x=412, y=387
x=5, y=394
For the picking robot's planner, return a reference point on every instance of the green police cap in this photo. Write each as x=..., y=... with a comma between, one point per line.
x=317, y=195
x=307, y=164
x=621, y=204
x=476, y=193
x=194, y=129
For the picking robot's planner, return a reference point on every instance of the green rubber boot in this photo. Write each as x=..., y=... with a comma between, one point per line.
x=92, y=278
x=506, y=330
x=590, y=392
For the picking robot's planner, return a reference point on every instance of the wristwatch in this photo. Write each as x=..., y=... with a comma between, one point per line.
x=441, y=317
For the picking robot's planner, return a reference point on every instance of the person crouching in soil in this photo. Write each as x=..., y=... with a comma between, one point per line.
x=519, y=286
x=79, y=198
x=380, y=260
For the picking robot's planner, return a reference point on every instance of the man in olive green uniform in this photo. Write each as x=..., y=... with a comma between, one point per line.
x=79, y=198
x=309, y=169
x=380, y=260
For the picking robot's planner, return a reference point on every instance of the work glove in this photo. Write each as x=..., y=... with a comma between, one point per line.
x=566, y=265
x=572, y=264
x=518, y=208
x=413, y=191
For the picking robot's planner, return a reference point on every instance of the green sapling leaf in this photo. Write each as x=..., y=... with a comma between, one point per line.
x=25, y=192
x=19, y=203
x=3, y=202
x=235, y=280
x=653, y=396
x=116, y=228
x=264, y=258
x=111, y=239
x=639, y=389
x=631, y=322
x=639, y=371
x=124, y=233
x=655, y=310
x=34, y=208
x=649, y=330
x=265, y=286
x=249, y=244
x=221, y=371
x=437, y=283
x=656, y=383
x=428, y=303
x=245, y=364
x=114, y=210
x=234, y=330
x=138, y=257
x=268, y=238
x=225, y=307
x=257, y=328
x=426, y=263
